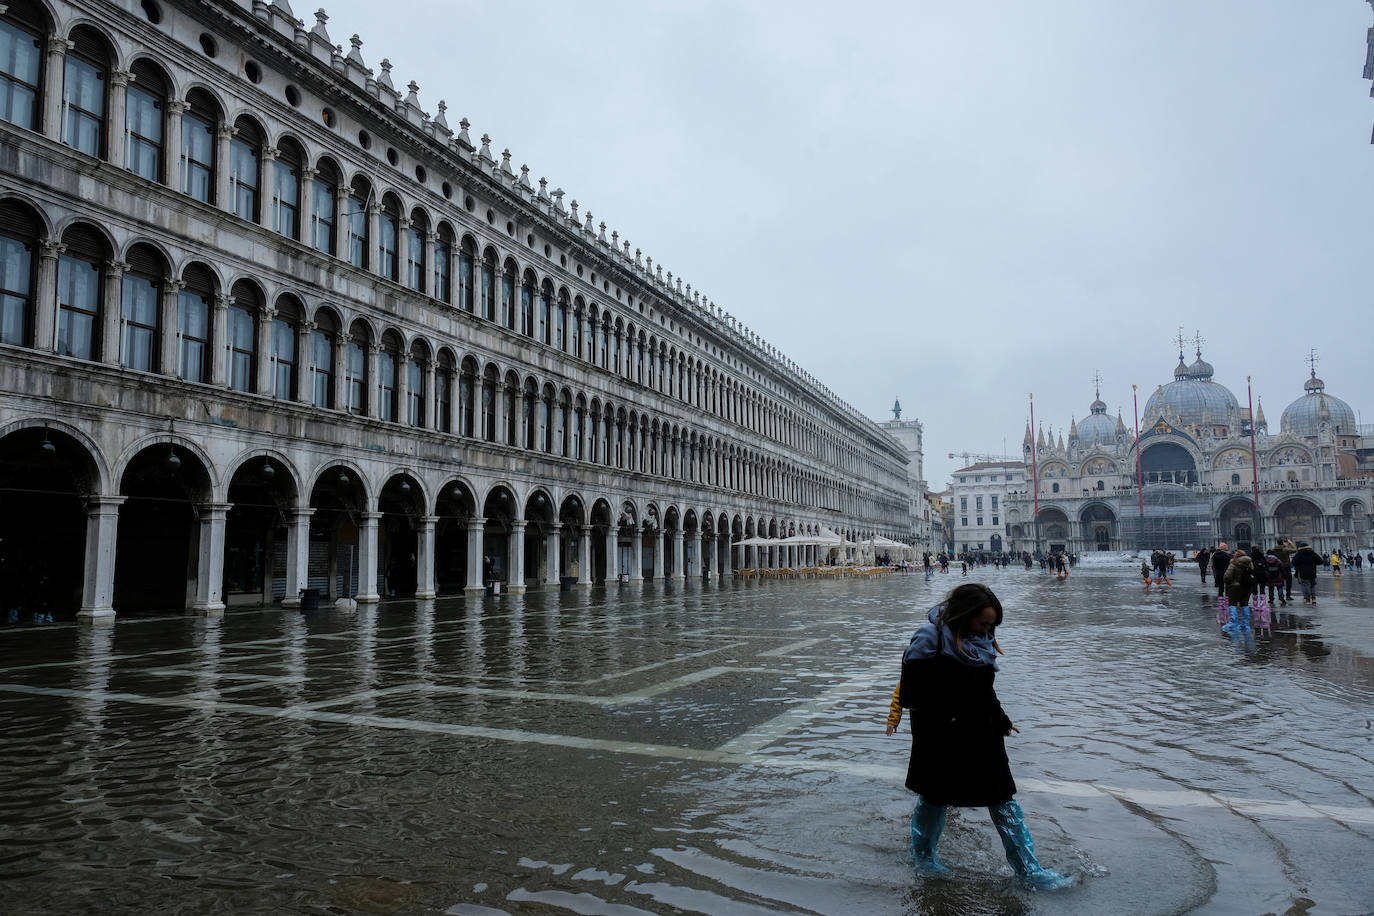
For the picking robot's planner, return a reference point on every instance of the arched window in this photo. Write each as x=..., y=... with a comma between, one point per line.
x=355, y=370
x=388, y=230
x=245, y=155
x=605, y=340
x=286, y=190
x=1054, y=488
x=443, y=270
x=466, y=257
x=527, y=305
x=22, y=29
x=467, y=382
x=1101, y=485
x=388, y=368
x=84, y=82
x=282, y=354
x=415, y=250
x=19, y=231
x=355, y=219
x=615, y=359
x=415, y=385
x=139, y=307
x=241, y=345
x=489, y=388
x=323, y=201
x=322, y=360
x=143, y=113
x=79, y=293
x=193, y=323
x=198, y=146
x=1235, y=479
x=443, y=393
x=488, y=286
x=577, y=328
x=545, y=317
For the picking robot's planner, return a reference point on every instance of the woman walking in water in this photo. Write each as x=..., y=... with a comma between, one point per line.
x=958, y=755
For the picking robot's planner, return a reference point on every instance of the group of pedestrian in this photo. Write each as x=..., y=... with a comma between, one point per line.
x=959, y=731
x=1158, y=569
x=1241, y=574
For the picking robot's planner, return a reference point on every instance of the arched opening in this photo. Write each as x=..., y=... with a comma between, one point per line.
x=629, y=543
x=454, y=508
x=540, y=562
x=163, y=520
x=1054, y=530
x=398, y=546
x=1099, y=526
x=1238, y=523
x=571, y=519
x=45, y=478
x=602, y=559
x=499, y=511
x=672, y=531
x=260, y=494
x=1299, y=519
x=1168, y=462
x=339, y=499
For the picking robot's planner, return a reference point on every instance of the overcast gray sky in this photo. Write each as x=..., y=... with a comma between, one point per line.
x=953, y=203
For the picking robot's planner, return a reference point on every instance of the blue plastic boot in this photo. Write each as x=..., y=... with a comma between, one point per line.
x=927, y=823
x=1231, y=625
x=1016, y=840
x=1245, y=618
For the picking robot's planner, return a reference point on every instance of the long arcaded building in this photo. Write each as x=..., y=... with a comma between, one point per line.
x=266, y=325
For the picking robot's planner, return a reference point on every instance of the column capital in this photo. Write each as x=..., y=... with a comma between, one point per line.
x=476, y=523
x=268, y=312
x=343, y=191
x=226, y=131
x=372, y=517
x=223, y=300
x=172, y=284
x=58, y=45
x=301, y=513
x=50, y=248
x=103, y=505
x=177, y=106
x=214, y=509
x=120, y=77
x=429, y=520
x=269, y=153
x=115, y=268
x=518, y=524
x=309, y=173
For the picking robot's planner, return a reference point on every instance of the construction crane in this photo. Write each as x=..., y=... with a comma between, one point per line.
x=969, y=457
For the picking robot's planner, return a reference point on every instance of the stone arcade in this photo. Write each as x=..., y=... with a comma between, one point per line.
x=266, y=325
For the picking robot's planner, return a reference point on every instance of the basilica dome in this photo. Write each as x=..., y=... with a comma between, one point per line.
x=1097, y=428
x=1305, y=416
x=1195, y=398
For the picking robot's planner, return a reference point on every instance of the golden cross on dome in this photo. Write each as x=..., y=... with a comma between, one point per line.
x=1312, y=361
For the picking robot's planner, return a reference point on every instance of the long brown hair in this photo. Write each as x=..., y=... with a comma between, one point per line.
x=962, y=605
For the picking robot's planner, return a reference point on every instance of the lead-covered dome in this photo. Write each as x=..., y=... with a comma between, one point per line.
x=1305, y=416
x=1195, y=398
x=1097, y=428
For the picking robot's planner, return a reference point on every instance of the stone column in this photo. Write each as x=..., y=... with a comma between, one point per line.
x=54, y=74
x=267, y=189
x=402, y=363
x=637, y=556
x=584, y=562
x=426, y=262
x=342, y=194
x=297, y=555
x=367, y=558
x=210, y=562
x=372, y=387
x=476, y=528
x=305, y=384
x=45, y=296
x=678, y=572
x=264, y=381
x=219, y=339
x=97, y=581
x=612, y=555
x=223, y=196
x=167, y=326
x=703, y=552
x=518, y=407
x=171, y=144
x=430, y=402
x=110, y=312
x=340, y=382
x=374, y=238
x=305, y=206
x=516, y=557
x=117, y=140
x=424, y=558
x=554, y=562
x=658, y=555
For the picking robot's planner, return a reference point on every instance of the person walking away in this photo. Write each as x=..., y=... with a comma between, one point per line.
x=1305, y=563
x=1204, y=563
x=1359, y=563
x=1240, y=585
x=1284, y=551
x=1273, y=576
x=958, y=732
x=1336, y=564
x=1145, y=573
x=1221, y=558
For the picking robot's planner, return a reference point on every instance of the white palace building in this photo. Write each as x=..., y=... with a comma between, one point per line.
x=266, y=326
x=1199, y=472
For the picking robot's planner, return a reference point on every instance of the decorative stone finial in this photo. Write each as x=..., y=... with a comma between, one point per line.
x=440, y=120
x=602, y=234
x=572, y=210
x=463, y=138
x=385, y=78
x=543, y=189
x=485, y=152
x=525, y=177
x=505, y=163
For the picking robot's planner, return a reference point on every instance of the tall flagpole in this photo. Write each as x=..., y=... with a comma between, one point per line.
x=1254, y=462
x=1139, y=474
x=1035, y=477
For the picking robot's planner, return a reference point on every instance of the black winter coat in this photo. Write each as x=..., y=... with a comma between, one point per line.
x=958, y=754
x=1305, y=563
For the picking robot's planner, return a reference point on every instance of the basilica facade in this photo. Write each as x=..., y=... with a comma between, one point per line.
x=1190, y=479
x=268, y=327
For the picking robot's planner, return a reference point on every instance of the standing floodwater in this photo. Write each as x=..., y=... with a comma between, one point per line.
x=709, y=750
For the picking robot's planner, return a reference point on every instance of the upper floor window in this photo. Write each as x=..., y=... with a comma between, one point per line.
x=79, y=293
x=83, y=95
x=193, y=324
x=21, y=60
x=387, y=229
x=18, y=236
x=198, y=147
x=322, y=367
x=355, y=223
x=283, y=356
x=415, y=256
x=139, y=311
x=322, y=205
x=143, y=113
x=355, y=376
x=244, y=156
x=443, y=280
x=286, y=192
x=241, y=344
x=465, y=278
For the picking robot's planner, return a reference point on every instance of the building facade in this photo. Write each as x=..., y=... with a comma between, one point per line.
x=979, y=498
x=267, y=325
x=1202, y=478
x=925, y=523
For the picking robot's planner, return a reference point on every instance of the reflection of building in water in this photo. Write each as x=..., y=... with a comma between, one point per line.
x=1195, y=460
x=268, y=327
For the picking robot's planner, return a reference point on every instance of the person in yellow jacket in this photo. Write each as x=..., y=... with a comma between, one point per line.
x=1335, y=563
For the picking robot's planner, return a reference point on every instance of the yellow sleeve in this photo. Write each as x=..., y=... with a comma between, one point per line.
x=894, y=712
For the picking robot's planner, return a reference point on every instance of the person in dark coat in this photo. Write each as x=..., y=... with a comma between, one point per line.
x=1204, y=563
x=1305, y=563
x=958, y=755
x=1221, y=558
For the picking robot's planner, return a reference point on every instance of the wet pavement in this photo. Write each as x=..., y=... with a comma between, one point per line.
x=698, y=750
